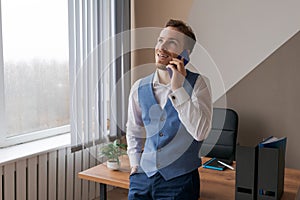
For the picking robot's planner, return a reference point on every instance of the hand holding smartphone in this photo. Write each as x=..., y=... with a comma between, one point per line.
x=185, y=55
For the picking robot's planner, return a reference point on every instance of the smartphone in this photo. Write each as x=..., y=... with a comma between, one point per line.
x=185, y=55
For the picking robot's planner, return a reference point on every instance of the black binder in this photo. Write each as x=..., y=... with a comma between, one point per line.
x=246, y=173
x=260, y=171
x=271, y=164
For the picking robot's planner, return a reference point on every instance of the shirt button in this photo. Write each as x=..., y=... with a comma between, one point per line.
x=161, y=134
x=158, y=165
x=159, y=150
x=162, y=119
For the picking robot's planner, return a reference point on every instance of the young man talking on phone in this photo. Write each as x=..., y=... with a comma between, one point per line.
x=169, y=114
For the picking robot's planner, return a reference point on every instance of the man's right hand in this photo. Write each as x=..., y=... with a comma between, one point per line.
x=133, y=170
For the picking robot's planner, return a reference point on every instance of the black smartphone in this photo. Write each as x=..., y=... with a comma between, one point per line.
x=185, y=55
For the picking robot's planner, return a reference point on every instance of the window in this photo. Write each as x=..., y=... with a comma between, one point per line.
x=35, y=70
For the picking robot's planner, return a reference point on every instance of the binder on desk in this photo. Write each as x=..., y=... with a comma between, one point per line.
x=260, y=170
x=271, y=164
x=246, y=172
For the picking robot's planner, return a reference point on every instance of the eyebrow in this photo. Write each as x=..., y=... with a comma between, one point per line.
x=169, y=38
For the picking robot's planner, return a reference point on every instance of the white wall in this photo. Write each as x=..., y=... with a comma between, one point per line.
x=239, y=35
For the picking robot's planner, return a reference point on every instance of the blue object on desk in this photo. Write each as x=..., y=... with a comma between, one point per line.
x=214, y=164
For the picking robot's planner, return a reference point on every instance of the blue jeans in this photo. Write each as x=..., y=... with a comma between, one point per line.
x=185, y=187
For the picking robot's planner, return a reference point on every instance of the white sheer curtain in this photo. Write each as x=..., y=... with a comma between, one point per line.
x=2, y=103
x=99, y=61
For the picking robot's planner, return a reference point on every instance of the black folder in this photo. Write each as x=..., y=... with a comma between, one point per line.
x=260, y=170
x=246, y=173
x=271, y=164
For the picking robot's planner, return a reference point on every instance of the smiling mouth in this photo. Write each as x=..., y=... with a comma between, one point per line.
x=163, y=60
x=162, y=55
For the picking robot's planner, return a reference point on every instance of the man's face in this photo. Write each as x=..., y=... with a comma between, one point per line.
x=170, y=44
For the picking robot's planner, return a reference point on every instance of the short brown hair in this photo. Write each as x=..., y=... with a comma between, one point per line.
x=185, y=29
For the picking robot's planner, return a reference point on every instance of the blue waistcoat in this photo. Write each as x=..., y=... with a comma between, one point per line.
x=169, y=149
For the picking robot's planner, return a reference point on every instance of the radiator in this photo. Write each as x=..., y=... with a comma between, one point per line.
x=49, y=176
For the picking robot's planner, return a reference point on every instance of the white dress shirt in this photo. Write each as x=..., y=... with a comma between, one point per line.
x=194, y=112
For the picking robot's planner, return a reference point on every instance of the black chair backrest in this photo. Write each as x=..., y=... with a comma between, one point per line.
x=221, y=141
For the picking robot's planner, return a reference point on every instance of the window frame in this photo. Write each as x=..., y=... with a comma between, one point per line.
x=5, y=139
x=28, y=137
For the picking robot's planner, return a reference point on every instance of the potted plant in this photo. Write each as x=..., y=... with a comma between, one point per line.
x=112, y=151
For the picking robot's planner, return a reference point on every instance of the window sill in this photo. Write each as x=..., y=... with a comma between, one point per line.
x=21, y=151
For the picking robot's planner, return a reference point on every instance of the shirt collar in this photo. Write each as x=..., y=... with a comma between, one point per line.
x=156, y=80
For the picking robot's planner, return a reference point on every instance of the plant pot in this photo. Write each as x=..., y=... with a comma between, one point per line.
x=113, y=165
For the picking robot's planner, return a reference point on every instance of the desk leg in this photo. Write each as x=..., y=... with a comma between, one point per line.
x=103, y=191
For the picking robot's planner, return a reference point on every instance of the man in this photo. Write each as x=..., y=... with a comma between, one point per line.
x=175, y=111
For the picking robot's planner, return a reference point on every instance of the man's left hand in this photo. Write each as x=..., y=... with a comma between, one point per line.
x=179, y=73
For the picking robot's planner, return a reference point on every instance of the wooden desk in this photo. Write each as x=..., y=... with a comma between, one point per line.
x=214, y=184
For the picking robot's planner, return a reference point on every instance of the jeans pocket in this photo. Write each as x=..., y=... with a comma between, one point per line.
x=133, y=174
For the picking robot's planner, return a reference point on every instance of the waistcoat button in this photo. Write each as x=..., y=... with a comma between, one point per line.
x=161, y=134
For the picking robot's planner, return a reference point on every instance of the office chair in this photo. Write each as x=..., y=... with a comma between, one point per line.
x=221, y=141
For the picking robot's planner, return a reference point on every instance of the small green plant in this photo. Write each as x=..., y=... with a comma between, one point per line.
x=112, y=151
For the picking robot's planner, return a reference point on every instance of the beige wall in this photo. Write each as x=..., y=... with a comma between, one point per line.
x=265, y=99
x=154, y=13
